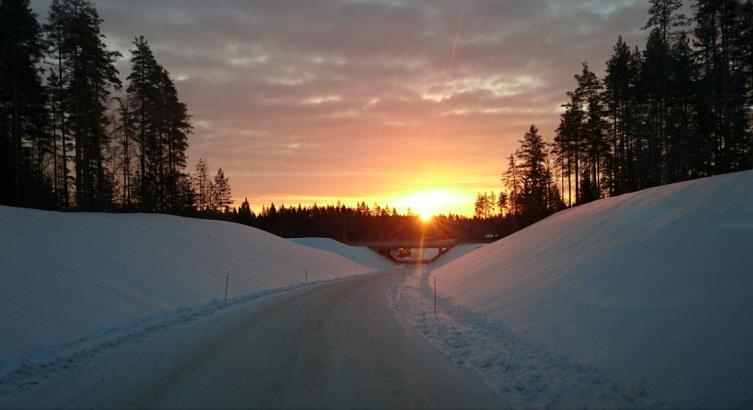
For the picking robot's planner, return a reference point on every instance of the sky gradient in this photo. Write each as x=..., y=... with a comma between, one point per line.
x=376, y=100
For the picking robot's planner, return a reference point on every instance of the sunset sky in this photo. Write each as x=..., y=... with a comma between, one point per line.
x=385, y=101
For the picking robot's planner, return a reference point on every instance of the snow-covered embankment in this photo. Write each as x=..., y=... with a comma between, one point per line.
x=358, y=254
x=69, y=279
x=639, y=300
x=653, y=288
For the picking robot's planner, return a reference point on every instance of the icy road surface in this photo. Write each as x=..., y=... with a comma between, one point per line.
x=338, y=345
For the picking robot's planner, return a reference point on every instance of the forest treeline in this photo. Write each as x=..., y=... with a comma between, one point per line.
x=361, y=223
x=676, y=109
x=74, y=137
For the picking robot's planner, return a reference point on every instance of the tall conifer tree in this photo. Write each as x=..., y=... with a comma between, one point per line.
x=23, y=140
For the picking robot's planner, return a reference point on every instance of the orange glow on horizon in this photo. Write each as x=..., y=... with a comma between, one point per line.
x=425, y=203
x=429, y=203
x=424, y=186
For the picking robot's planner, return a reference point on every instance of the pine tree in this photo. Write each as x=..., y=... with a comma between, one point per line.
x=722, y=113
x=594, y=131
x=682, y=137
x=664, y=17
x=479, y=206
x=85, y=76
x=23, y=140
x=566, y=143
x=745, y=55
x=619, y=83
x=502, y=203
x=201, y=181
x=493, y=203
x=581, y=139
x=514, y=183
x=143, y=95
x=126, y=142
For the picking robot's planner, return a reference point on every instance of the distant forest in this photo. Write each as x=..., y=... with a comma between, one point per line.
x=74, y=137
x=362, y=223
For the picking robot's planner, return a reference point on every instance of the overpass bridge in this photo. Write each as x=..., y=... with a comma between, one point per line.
x=395, y=250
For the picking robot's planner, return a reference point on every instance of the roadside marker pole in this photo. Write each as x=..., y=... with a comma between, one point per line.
x=435, y=293
x=307, y=275
x=227, y=280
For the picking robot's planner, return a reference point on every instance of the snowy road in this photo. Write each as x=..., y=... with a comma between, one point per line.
x=336, y=345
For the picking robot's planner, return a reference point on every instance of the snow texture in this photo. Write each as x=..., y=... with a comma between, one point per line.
x=520, y=373
x=74, y=281
x=652, y=288
x=456, y=252
x=358, y=254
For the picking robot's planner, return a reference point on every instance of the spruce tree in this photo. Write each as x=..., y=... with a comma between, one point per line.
x=221, y=195
x=532, y=165
x=162, y=125
x=143, y=95
x=245, y=215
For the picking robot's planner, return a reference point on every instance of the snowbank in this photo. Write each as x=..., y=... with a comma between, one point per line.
x=358, y=254
x=521, y=373
x=455, y=253
x=66, y=275
x=653, y=288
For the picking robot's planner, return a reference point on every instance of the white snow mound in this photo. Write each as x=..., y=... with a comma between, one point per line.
x=653, y=287
x=66, y=275
x=455, y=253
x=358, y=254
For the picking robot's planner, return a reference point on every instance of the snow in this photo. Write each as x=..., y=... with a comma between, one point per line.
x=455, y=253
x=71, y=280
x=359, y=254
x=334, y=345
x=650, y=289
x=520, y=373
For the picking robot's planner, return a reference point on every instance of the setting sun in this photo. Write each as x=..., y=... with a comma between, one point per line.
x=427, y=204
x=426, y=216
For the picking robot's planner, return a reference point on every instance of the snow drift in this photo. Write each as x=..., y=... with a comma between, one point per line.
x=455, y=253
x=64, y=275
x=358, y=254
x=653, y=287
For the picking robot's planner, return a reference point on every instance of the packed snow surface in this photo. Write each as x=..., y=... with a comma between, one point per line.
x=653, y=288
x=359, y=254
x=64, y=276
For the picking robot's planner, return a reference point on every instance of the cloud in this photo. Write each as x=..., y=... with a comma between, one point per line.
x=357, y=97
